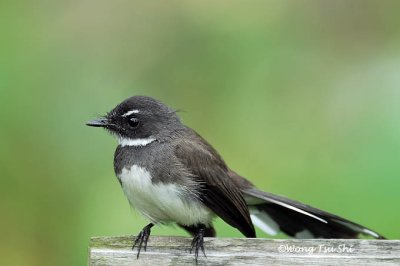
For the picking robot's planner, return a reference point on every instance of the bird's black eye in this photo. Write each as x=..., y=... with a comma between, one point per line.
x=133, y=122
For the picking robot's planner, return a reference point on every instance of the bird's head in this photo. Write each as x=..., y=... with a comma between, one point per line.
x=140, y=120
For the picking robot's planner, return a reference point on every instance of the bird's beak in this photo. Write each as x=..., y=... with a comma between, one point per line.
x=100, y=122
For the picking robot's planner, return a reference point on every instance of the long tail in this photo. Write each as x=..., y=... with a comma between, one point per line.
x=272, y=214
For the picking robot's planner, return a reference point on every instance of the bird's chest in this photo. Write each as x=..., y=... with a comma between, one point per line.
x=161, y=202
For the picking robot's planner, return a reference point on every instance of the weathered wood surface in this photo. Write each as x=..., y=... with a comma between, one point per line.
x=234, y=251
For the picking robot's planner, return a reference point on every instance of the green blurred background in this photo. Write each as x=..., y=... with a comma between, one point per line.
x=301, y=97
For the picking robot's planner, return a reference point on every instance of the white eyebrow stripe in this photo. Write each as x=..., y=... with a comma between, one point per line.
x=130, y=112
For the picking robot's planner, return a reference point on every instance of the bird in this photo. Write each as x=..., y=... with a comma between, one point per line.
x=171, y=175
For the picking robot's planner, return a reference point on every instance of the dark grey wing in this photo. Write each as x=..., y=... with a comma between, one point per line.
x=218, y=192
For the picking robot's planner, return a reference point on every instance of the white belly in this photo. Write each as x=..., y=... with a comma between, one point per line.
x=161, y=203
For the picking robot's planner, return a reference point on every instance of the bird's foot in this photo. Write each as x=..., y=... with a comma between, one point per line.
x=198, y=243
x=142, y=238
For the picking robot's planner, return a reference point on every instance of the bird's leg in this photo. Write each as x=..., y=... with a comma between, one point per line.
x=143, y=237
x=192, y=229
x=198, y=241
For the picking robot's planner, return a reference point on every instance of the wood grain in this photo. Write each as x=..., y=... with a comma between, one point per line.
x=245, y=251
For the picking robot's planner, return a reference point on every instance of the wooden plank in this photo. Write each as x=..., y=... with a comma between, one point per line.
x=242, y=251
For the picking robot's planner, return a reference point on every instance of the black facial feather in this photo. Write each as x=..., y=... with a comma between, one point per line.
x=153, y=117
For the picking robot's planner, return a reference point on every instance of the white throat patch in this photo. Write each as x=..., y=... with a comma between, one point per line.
x=135, y=142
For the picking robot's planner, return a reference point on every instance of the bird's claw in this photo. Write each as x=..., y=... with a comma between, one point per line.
x=142, y=238
x=198, y=243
